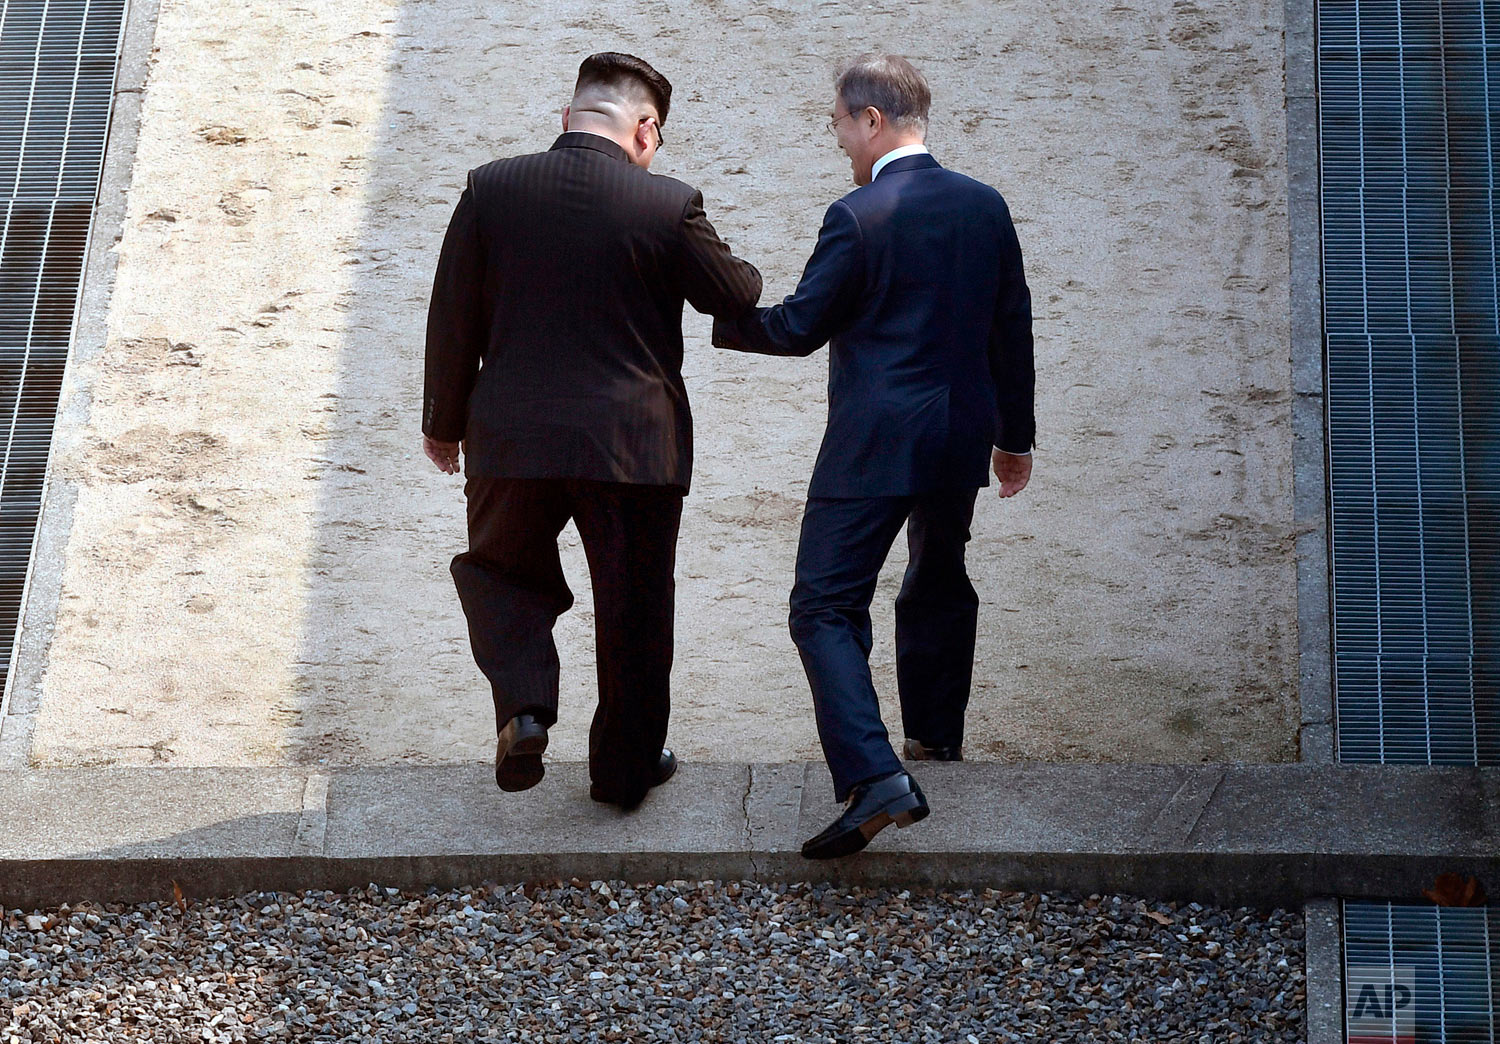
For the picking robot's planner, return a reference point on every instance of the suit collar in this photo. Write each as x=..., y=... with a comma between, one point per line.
x=913, y=148
x=589, y=140
x=921, y=161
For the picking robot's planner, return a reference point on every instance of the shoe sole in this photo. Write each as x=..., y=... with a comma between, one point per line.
x=521, y=768
x=914, y=753
x=910, y=813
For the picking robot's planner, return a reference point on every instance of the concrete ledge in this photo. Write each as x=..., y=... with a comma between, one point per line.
x=1259, y=835
x=1309, y=444
x=1325, y=971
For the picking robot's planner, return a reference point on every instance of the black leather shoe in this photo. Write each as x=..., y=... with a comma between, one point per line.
x=915, y=750
x=518, y=753
x=870, y=809
x=666, y=767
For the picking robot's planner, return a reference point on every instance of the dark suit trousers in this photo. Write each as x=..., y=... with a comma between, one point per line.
x=511, y=585
x=844, y=543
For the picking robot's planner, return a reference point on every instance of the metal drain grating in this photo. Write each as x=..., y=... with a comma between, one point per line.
x=57, y=71
x=1418, y=973
x=1406, y=95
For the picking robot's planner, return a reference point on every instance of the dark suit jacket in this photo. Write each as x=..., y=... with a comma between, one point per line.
x=917, y=287
x=564, y=273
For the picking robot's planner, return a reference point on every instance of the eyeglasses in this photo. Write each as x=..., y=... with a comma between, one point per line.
x=660, y=141
x=833, y=125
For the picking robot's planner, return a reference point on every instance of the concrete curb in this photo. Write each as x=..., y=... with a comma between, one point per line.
x=1321, y=916
x=1235, y=834
x=1323, y=939
x=1309, y=426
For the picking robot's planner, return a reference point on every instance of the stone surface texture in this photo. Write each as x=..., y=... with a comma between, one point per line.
x=256, y=572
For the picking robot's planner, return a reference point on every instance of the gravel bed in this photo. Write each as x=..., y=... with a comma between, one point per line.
x=709, y=961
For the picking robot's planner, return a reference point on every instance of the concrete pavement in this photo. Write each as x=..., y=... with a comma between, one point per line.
x=1251, y=834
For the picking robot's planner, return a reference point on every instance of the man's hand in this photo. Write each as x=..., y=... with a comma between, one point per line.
x=1013, y=470
x=443, y=454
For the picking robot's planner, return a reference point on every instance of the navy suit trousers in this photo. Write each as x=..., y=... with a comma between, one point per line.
x=844, y=543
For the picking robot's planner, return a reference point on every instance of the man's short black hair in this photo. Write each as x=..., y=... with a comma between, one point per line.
x=613, y=69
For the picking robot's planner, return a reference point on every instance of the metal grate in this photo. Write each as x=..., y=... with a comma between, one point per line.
x=1420, y=973
x=1406, y=99
x=57, y=71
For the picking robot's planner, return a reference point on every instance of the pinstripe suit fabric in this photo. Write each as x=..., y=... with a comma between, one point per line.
x=554, y=351
x=565, y=272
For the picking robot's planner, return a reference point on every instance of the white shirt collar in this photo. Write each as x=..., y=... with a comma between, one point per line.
x=895, y=154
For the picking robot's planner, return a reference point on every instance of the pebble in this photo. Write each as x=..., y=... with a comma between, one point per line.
x=674, y=961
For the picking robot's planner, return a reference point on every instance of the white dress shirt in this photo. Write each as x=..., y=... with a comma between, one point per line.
x=895, y=154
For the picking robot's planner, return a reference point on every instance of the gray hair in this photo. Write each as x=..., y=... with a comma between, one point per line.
x=886, y=82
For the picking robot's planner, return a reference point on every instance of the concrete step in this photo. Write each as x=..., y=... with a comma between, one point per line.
x=1237, y=834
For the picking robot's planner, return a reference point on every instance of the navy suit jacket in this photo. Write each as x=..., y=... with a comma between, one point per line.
x=916, y=285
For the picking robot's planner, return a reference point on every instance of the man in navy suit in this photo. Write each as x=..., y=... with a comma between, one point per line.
x=916, y=285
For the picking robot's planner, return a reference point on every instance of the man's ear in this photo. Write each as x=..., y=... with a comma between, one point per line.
x=566, y=112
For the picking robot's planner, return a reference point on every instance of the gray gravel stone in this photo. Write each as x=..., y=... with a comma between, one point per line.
x=610, y=961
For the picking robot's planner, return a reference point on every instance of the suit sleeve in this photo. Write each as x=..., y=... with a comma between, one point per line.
x=822, y=304
x=457, y=322
x=1012, y=364
x=714, y=281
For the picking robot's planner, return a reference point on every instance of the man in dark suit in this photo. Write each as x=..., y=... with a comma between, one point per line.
x=917, y=287
x=554, y=359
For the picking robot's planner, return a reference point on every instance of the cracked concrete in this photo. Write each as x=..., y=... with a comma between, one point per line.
x=312, y=825
x=745, y=808
x=1180, y=814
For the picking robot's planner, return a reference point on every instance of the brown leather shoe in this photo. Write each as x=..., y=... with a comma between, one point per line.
x=666, y=767
x=915, y=750
x=518, y=753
